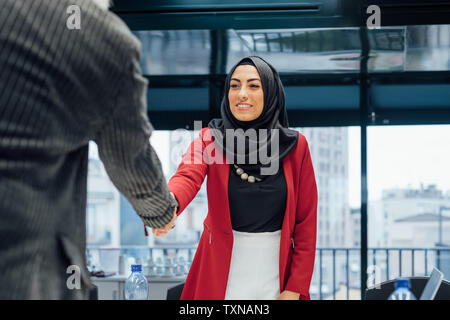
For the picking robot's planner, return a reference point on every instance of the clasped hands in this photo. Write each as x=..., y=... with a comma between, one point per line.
x=162, y=231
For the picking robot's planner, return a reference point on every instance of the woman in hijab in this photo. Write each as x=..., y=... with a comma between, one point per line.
x=259, y=236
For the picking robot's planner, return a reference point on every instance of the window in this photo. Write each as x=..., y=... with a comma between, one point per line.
x=95, y=168
x=113, y=223
x=409, y=199
x=338, y=198
x=324, y=152
x=323, y=137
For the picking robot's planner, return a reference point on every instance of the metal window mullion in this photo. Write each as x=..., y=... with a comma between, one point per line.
x=363, y=103
x=218, y=62
x=320, y=274
x=374, y=260
x=347, y=272
x=387, y=264
x=334, y=274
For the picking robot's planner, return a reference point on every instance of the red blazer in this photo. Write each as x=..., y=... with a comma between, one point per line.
x=208, y=275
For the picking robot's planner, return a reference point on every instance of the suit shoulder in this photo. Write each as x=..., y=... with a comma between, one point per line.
x=127, y=38
x=110, y=32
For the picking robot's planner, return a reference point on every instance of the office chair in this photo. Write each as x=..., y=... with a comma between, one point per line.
x=93, y=293
x=174, y=293
x=417, y=286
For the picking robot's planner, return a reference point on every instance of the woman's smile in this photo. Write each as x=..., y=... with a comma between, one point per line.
x=243, y=106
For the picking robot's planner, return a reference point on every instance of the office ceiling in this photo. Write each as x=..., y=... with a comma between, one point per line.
x=398, y=74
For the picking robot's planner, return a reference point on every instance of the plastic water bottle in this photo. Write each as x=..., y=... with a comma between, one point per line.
x=402, y=292
x=136, y=286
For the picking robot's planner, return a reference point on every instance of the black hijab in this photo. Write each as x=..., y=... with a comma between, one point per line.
x=273, y=116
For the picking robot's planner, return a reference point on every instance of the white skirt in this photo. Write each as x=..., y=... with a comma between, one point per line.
x=254, y=267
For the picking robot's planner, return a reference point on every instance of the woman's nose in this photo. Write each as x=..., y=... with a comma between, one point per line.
x=243, y=93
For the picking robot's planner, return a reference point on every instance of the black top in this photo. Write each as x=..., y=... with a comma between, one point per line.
x=259, y=206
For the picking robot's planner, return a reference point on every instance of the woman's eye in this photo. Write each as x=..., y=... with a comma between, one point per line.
x=234, y=86
x=254, y=86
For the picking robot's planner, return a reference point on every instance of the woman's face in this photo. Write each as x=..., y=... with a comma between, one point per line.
x=246, y=96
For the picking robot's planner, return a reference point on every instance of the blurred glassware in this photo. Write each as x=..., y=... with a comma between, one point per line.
x=88, y=259
x=159, y=272
x=109, y=259
x=129, y=262
x=168, y=267
x=151, y=267
x=184, y=264
x=178, y=269
x=181, y=268
x=122, y=259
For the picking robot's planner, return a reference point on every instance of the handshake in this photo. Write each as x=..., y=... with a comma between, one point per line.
x=162, y=231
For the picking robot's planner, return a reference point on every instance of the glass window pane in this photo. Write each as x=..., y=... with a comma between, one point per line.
x=409, y=200
x=103, y=204
x=177, y=99
x=297, y=50
x=407, y=48
x=336, y=154
x=161, y=51
x=410, y=95
x=410, y=48
x=336, y=97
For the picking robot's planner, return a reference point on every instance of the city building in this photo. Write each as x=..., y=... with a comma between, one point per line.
x=103, y=205
x=402, y=206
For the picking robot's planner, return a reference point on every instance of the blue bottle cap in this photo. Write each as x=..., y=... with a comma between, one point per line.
x=402, y=283
x=136, y=268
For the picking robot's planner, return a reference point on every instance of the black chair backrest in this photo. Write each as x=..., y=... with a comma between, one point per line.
x=174, y=293
x=93, y=293
x=383, y=290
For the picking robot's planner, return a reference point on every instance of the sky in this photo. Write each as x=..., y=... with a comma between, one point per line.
x=400, y=156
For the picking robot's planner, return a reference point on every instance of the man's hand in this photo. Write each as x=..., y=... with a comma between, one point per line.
x=161, y=232
x=288, y=295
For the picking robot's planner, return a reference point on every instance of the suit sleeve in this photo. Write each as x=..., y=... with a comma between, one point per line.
x=129, y=159
x=191, y=172
x=304, y=250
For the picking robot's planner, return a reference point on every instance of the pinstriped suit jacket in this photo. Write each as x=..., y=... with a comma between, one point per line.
x=59, y=89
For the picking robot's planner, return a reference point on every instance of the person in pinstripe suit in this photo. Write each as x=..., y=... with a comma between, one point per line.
x=60, y=89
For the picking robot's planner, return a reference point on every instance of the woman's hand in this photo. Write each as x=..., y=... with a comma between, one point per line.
x=161, y=232
x=288, y=295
